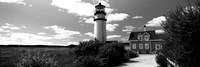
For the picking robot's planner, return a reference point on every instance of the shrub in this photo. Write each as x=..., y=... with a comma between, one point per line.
x=29, y=59
x=161, y=60
x=87, y=48
x=94, y=53
x=131, y=54
x=88, y=61
x=86, y=54
x=114, y=52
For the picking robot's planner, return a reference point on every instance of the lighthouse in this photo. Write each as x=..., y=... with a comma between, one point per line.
x=100, y=23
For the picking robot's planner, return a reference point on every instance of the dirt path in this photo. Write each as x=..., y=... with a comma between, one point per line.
x=144, y=60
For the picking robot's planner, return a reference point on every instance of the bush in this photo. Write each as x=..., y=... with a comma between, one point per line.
x=131, y=54
x=94, y=53
x=87, y=54
x=114, y=52
x=161, y=60
x=88, y=61
x=29, y=59
x=87, y=48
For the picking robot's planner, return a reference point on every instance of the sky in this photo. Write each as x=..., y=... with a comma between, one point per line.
x=64, y=22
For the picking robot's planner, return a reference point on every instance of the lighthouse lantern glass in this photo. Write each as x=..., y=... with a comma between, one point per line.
x=100, y=9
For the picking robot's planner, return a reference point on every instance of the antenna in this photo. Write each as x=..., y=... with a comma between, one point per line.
x=100, y=1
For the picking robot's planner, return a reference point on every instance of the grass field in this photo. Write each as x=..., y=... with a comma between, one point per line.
x=9, y=55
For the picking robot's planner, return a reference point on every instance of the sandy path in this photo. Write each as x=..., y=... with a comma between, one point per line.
x=144, y=60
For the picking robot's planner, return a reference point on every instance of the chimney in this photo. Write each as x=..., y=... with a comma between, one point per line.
x=145, y=28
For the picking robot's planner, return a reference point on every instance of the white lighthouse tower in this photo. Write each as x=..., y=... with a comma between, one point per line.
x=100, y=23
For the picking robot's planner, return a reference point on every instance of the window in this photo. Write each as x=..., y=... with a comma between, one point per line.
x=140, y=37
x=140, y=46
x=146, y=38
x=158, y=47
x=134, y=46
x=100, y=9
x=147, y=46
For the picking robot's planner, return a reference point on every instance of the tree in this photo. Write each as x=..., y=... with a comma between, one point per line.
x=182, y=35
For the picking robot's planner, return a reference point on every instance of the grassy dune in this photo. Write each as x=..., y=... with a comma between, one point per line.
x=9, y=55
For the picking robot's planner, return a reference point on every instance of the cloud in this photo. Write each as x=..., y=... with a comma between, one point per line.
x=75, y=6
x=26, y=42
x=128, y=28
x=41, y=33
x=30, y=39
x=9, y=27
x=90, y=20
x=86, y=9
x=113, y=36
x=117, y=17
x=41, y=38
x=78, y=7
x=124, y=39
x=75, y=43
x=101, y=0
x=81, y=8
x=137, y=17
x=155, y=22
x=111, y=27
x=12, y=27
x=29, y=36
x=3, y=30
x=61, y=33
x=13, y=1
x=25, y=38
x=109, y=10
x=30, y=5
x=160, y=31
x=89, y=34
x=86, y=39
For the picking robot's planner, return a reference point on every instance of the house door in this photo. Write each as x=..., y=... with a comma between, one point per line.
x=147, y=47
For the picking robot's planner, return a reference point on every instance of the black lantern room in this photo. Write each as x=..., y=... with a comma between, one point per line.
x=100, y=9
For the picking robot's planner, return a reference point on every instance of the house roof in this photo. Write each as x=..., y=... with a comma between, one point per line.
x=153, y=35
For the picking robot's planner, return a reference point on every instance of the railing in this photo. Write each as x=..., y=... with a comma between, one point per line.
x=171, y=63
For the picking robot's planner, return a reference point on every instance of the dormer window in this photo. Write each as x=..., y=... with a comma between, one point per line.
x=146, y=37
x=140, y=37
x=100, y=9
